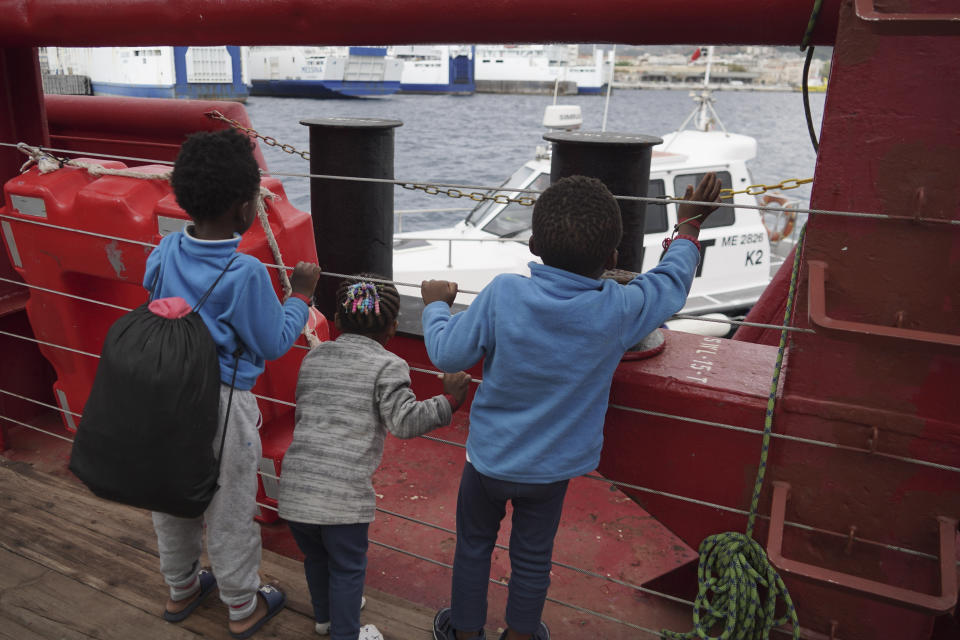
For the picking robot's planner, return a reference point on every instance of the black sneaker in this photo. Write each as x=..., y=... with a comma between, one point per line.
x=443, y=628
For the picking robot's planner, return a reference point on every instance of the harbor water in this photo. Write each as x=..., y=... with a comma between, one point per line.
x=482, y=139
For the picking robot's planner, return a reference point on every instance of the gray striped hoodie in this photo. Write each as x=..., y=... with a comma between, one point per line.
x=349, y=394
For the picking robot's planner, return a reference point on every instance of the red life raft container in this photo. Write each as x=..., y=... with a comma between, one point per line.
x=89, y=237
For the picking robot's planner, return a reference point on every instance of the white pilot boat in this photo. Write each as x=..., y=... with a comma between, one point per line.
x=738, y=258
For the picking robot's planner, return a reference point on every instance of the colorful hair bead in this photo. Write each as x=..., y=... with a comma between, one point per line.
x=363, y=297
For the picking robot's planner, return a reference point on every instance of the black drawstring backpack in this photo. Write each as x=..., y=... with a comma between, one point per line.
x=146, y=435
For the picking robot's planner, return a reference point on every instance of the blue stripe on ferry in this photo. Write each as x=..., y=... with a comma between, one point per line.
x=464, y=88
x=132, y=90
x=379, y=52
x=322, y=88
x=589, y=91
x=193, y=91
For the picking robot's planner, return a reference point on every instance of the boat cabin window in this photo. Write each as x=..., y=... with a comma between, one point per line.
x=516, y=219
x=517, y=181
x=722, y=217
x=655, y=220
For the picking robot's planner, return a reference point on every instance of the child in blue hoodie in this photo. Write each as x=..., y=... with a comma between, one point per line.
x=550, y=344
x=216, y=180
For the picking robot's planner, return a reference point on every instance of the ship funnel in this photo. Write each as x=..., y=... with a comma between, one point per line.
x=565, y=117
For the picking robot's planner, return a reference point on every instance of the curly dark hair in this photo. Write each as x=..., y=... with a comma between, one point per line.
x=576, y=224
x=214, y=171
x=367, y=307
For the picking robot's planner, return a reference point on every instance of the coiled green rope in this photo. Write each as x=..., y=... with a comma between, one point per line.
x=737, y=586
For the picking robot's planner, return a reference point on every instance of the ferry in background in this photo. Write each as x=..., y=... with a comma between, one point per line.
x=323, y=72
x=440, y=69
x=540, y=68
x=202, y=73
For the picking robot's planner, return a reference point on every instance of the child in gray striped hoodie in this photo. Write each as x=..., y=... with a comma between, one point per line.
x=350, y=393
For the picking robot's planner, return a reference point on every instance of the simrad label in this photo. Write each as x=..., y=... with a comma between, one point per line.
x=29, y=206
x=167, y=225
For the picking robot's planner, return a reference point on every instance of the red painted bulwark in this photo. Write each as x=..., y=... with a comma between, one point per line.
x=134, y=127
x=351, y=22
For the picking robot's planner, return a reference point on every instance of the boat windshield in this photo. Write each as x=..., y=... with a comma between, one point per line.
x=516, y=181
x=515, y=219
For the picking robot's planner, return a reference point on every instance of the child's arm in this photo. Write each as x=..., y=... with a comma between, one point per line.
x=263, y=325
x=654, y=296
x=153, y=266
x=661, y=292
x=454, y=342
x=405, y=416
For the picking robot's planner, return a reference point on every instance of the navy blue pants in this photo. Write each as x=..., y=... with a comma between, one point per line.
x=335, y=566
x=481, y=505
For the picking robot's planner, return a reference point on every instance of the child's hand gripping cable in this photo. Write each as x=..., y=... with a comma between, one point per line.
x=438, y=290
x=455, y=386
x=303, y=281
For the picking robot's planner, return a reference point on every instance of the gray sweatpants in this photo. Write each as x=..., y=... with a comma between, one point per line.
x=233, y=537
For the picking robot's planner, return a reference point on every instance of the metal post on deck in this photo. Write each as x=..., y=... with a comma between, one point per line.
x=622, y=162
x=352, y=220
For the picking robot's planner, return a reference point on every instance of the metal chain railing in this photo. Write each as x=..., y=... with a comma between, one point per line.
x=760, y=189
x=267, y=140
x=500, y=198
x=648, y=199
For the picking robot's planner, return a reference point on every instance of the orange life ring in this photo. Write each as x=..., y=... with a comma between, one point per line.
x=778, y=232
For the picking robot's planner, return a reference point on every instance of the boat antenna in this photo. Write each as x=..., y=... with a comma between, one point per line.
x=704, y=116
x=556, y=88
x=706, y=75
x=606, y=105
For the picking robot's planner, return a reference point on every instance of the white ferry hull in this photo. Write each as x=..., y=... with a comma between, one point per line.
x=540, y=69
x=436, y=69
x=199, y=73
x=323, y=72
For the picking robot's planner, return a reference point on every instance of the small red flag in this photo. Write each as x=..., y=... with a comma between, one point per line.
x=696, y=54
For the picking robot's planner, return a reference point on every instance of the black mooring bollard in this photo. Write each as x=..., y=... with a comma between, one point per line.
x=619, y=160
x=352, y=221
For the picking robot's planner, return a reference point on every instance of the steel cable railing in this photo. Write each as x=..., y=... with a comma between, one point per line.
x=445, y=185
x=617, y=483
x=708, y=423
x=333, y=274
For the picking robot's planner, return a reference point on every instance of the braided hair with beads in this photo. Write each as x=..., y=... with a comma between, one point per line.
x=365, y=306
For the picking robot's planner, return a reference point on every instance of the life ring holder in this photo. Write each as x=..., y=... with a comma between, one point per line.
x=789, y=214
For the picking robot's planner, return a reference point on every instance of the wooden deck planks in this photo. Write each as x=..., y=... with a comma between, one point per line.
x=75, y=566
x=37, y=602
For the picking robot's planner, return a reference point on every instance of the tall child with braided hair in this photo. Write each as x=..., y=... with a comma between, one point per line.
x=350, y=393
x=550, y=344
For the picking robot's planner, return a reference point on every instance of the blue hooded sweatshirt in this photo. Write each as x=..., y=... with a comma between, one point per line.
x=243, y=309
x=550, y=344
